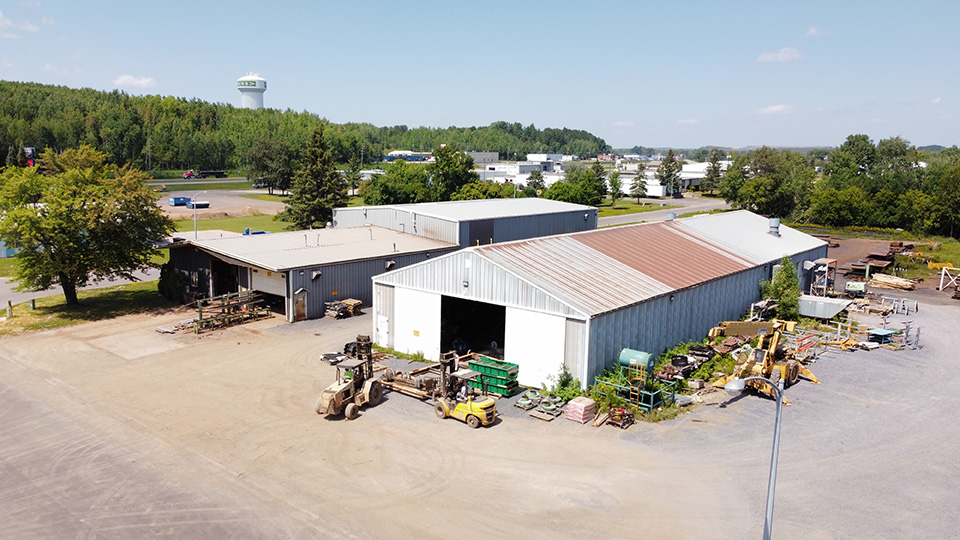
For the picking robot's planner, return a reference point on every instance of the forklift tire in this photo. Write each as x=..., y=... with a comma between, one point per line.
x=351, y=412
x=319, y=406
x=793, y=372
x=376, y=393
x=473, y=422
x=440, y=409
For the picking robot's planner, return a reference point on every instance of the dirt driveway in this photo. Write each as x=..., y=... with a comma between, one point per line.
x=223, y=203
x=112, y=429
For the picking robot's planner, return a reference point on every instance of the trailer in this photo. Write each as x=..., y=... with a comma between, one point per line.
x=178, y=201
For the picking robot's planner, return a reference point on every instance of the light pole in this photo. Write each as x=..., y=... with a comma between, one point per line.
x=735, y=387
x=194, y=201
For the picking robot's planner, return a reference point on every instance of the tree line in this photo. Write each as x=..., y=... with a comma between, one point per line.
x=158, y=133
x=888, y=184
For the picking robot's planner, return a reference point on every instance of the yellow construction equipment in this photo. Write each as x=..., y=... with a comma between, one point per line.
x=762, y=360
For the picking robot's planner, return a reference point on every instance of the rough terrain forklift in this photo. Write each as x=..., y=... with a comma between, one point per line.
x=355, y=384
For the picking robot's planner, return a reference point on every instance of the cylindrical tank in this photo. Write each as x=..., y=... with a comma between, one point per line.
x=251, y=87
x=629, y=357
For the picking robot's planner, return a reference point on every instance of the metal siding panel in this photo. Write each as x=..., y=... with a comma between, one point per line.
x=383, y=306
x=573, y=351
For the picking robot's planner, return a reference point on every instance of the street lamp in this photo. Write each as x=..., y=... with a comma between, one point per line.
x=735, y=387
x=195, y=214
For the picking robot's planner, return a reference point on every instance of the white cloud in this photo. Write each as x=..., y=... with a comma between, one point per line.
x=776, y=109
x=54, y=69
x=688, y=121
x=947, y=117
x=5, y=64
x=785, y=54
x=137, y=82
x=938, y=100
x=10, y=29
x=624, y=123
x=30, y=3
x=813, y=31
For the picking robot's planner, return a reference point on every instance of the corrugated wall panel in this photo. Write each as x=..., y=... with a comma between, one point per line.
x=347, y=280
x=486, y=282
x=574, y=348
x=660, y=323
x=383, y=312
x=399, y=220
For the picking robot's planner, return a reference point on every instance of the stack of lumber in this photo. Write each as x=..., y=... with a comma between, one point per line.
x=581, y=409
x=890, y=282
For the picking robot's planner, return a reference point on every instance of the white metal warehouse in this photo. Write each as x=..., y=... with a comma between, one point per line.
x=477, y=222
x=578, y=299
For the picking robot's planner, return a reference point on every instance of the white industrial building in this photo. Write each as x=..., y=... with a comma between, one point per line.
x=578, y=299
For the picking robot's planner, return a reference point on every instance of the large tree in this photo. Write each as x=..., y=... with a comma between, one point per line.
x=401, y=183
x=668, y=173
x=616, y=187
x=270, y=160
x=77, y=219
x=318, y=187
x=711, y=181
x=450, y=171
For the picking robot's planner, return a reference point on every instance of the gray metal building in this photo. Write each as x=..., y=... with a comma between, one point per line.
x=578, y=299
x=473, y=223
x=301, y=270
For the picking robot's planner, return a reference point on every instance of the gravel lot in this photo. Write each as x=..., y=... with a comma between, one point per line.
x=114, y=430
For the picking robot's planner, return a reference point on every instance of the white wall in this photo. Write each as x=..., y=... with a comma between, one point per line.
x=416, y=324
x=535, y=342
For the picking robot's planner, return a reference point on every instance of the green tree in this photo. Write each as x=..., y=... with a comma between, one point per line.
x=586, y=187
x=353, y=175
x=318, y=187
x=784, y=287
x=616, y=187
x=566, y=192
x=82, y=219
x=599, y=179
x=535, y=181
x=668, y=173
x=450, y=170
x=638, y=188
x=711, y=181
x=270, y=160
x=401, y=183
x=478, y=190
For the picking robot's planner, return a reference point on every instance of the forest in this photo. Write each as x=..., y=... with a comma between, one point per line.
x=889, y=184
x=161, y=133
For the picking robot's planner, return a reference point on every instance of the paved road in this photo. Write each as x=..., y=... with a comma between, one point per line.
x=7, y=285
x=688, y=204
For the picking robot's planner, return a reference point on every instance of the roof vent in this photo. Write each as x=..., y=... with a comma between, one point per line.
x=775, y=227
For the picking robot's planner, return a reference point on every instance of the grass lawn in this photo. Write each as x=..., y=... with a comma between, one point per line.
x=95, y=305
x=233, y=224
x=266, y=197
x=202, y=186
x=7, y=266
x=626, y=206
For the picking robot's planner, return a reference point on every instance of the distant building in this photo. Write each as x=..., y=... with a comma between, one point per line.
x=480, y=158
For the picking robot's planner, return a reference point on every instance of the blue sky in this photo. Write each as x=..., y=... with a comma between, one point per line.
x=681, y=74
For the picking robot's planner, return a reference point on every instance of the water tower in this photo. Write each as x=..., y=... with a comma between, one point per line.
x=251, y=87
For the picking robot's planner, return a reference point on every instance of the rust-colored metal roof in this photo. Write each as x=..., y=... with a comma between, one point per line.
x=664, y=253
x=604, y=270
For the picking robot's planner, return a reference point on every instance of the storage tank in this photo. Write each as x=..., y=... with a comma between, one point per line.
x=251, y=87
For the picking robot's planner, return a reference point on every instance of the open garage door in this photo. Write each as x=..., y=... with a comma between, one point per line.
x=471, y=325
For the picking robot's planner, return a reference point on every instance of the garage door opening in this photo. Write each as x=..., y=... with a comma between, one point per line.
x=224, y=277
x=468, y=325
